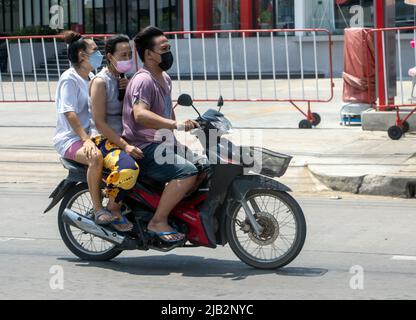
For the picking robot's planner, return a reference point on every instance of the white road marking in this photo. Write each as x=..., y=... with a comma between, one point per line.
x=404, y=258
x=16, y=239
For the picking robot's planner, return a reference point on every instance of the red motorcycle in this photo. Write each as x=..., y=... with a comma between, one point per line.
x=253, y=213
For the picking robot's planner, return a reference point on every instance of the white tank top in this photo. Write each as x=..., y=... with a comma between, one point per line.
x=114, y=114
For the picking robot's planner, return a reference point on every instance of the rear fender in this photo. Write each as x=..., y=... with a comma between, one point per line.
x=59, y=193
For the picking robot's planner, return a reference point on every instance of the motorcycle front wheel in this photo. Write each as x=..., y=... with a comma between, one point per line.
x=283, y=235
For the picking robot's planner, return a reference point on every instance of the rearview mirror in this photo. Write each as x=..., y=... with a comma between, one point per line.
x=185, y=100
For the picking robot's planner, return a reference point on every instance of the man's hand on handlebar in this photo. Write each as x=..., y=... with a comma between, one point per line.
x=187, y=125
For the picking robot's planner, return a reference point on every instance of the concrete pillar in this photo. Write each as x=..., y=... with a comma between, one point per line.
x=152, y=13
x=300, y=16
x=386, y=61
x=187, y=15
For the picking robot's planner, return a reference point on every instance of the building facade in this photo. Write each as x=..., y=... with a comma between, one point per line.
x=129, y=16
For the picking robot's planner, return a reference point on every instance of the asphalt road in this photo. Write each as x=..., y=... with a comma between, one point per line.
x=357, y=248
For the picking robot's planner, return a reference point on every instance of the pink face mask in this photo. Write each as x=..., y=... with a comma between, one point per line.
x=124, y=66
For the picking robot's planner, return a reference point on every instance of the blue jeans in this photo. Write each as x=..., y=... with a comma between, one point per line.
x=154, y=165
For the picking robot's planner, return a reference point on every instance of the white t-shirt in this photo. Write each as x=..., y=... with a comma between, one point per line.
x=72, y=95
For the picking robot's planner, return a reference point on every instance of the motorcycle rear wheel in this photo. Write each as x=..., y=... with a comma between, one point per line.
x=82, y=244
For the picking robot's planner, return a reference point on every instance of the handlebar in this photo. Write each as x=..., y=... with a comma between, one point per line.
x=202, y=123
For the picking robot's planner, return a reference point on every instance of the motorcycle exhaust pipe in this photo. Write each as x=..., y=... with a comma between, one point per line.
x=76, y=220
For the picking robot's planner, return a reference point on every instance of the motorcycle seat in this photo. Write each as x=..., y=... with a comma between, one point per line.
x=74, y=166
x=78, y=168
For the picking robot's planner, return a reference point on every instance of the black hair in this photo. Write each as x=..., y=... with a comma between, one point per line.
x=111, y=44
x=76, y=43
x=144, y=40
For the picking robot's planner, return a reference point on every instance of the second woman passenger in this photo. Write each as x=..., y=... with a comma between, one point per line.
x=107, y=107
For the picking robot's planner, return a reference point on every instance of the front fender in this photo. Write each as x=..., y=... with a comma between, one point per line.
x=242, y=185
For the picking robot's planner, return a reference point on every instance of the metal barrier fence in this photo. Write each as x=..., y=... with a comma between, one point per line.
x=241, y=65
x=395, y=88
x=30, y=67
x=291, y=65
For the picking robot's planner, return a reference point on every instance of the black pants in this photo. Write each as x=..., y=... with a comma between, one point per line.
x=3, y=61
x=3, y=58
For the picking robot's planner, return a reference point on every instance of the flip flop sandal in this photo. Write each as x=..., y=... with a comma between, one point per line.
x=163, y=234
x=103, y=217
x=122, y=222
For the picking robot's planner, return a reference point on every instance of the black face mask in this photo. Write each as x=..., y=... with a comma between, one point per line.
x=167, y=61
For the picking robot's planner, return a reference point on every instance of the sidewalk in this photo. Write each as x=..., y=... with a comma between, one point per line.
x=333, y=157
x=330, y=157
x=346, y=160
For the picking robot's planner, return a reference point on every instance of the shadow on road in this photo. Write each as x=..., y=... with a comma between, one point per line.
x=192, y=266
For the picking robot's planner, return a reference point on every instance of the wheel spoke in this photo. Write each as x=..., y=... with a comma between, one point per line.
x=289, y=235
x=279, y=210
x=275, y=248
x=246, y=243
x=253, y=253
x=267, y=204
x=286, y=241
x=284, y=220
x=293, y=227
x=92, y=243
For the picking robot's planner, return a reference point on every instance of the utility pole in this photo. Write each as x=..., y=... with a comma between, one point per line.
x=385, y=17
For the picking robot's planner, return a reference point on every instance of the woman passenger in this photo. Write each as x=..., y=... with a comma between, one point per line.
x=72, y=137
x=107, y=108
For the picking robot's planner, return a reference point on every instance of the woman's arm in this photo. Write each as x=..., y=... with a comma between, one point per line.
x=75, y=124
x=99, y=111
x=67, y=106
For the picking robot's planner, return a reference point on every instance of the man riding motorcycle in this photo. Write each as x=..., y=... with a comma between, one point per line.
x=147, y=109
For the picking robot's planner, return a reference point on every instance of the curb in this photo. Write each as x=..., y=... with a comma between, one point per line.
x=375, y=185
